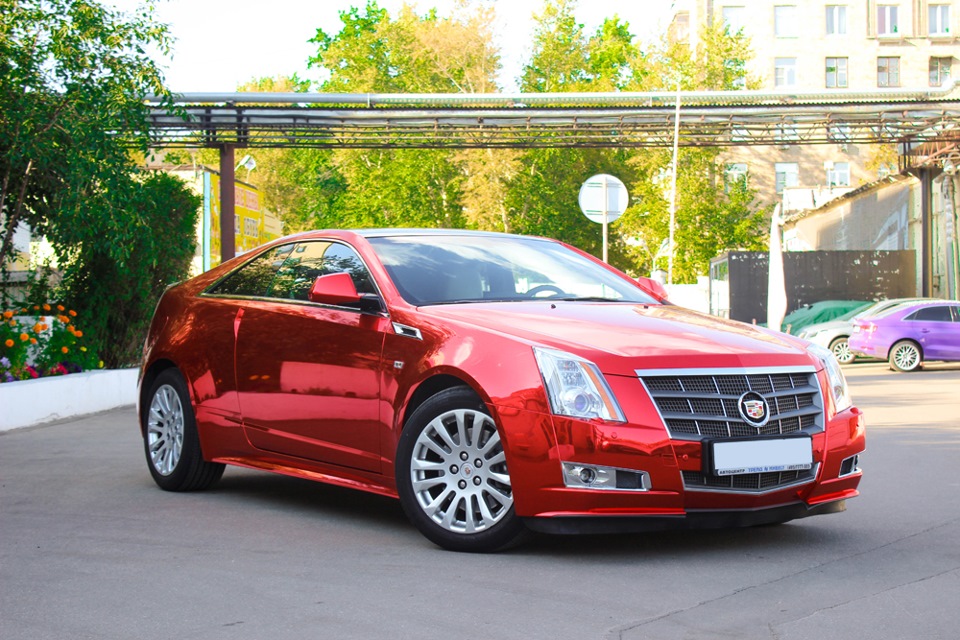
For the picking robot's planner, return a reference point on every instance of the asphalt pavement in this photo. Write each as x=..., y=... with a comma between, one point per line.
x=91, y=548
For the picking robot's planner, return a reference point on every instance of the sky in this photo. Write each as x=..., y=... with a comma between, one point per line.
x=220, y=44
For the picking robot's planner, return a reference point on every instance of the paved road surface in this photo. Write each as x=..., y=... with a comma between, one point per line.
x=90, y=548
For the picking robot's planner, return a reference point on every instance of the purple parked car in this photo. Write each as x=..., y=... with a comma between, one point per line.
x=909, y=334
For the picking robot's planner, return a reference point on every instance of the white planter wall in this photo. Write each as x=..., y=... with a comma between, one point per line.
x=30, y=402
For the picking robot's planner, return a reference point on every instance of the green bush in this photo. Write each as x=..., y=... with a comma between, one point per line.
x=117, y=297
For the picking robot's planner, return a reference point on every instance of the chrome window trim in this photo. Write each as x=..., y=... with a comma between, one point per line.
x=299, y=303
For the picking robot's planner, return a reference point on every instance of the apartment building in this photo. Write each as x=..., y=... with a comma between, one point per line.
x=823, y=46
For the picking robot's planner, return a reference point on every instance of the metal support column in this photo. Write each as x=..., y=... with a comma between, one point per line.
x=228, y=242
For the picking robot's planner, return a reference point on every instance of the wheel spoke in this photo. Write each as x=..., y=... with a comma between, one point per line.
x=426, y=484
x=439, y=428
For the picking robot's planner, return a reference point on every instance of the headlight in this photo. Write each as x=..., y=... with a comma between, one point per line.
x=835, y=377
x=576, y=387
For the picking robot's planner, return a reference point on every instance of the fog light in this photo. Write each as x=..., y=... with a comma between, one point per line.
x=586, y=476
x=850, y=466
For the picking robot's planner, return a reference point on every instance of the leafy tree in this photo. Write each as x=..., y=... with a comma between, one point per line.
x=542, y=198
x=117, y=299
x=374, y=52
x=72, y=75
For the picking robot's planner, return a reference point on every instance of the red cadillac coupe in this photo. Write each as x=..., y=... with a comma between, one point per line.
x=495, y=384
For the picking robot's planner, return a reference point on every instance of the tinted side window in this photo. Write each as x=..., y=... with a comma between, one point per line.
x=933, y=314
x=256, y=277
x=339, y=258
x=309, y=260
x=299, y=271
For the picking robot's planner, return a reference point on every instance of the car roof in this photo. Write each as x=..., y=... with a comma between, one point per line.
x=907, y=307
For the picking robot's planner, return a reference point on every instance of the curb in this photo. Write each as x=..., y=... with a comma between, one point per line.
x=27, y=403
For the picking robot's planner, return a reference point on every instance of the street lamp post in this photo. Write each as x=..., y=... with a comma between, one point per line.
x=673, y=185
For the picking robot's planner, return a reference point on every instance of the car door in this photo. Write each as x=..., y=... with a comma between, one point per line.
x=938, y=332
x=308, y=375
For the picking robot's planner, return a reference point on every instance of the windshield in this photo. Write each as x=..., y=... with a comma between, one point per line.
x=447, y=269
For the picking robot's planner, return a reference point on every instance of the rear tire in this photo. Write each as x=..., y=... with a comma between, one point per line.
x=170, y=439
x=841, y=349
x=905, y=356
x=452, y=477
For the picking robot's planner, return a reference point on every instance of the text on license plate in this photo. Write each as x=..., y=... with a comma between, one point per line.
x=762, y=456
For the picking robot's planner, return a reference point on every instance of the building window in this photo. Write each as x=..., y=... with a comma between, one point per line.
x=836, y=19
x=939, y=23
x=785, y=21
x=787, y=175
x=836, y=73
x=940, y=71
x=733, y=18
x=838, y=174
x=735, y=173
x=785, y=72
x=888, y=72
x=887, y=24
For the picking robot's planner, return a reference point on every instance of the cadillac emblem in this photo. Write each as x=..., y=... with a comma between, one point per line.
x=753, y=409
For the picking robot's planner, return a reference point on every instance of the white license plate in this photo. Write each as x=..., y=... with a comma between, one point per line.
x=761, y=456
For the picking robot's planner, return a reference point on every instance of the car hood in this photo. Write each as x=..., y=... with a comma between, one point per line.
x=621, y=338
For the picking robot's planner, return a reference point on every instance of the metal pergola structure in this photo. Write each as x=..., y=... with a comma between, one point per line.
x=707, y=119
x=914, y=119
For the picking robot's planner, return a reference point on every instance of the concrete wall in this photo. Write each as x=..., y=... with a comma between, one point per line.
x=31, y=402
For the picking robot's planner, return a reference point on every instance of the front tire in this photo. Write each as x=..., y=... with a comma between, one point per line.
x=452, y=475
x=905, y=356
x=170, y=439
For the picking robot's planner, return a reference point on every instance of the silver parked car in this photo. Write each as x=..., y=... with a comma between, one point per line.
x=835, y=333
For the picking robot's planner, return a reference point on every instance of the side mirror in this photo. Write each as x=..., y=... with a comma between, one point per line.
x=653, y=287
x=335, y=288
x=338, y=289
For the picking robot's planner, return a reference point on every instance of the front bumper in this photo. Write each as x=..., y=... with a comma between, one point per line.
x=538, y=444
x=694, y=519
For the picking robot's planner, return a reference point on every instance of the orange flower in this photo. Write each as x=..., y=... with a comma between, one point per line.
x=79, y=334
x=63, y=319
x=72, y=313
x=64, y=349
x=33, y=341
x=24, y=337
x=9, y=343
x=71, y=328
x=60, y=307
x=8, y=314
x=36, y=307
x=46, y=307
x=37, y=328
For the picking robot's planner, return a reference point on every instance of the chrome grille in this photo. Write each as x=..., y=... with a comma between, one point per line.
x=698, y=404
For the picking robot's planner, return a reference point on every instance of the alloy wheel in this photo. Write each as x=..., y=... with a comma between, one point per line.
x=906, y=356
x=459, y=474
x=165, y=430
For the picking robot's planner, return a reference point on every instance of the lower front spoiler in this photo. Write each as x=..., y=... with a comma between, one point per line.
x=561, y=525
